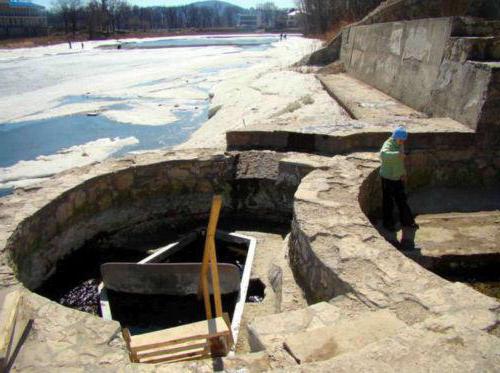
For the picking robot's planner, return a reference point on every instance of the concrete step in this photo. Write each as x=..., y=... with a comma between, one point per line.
x=431, y=347
x=346, y=336
x=363, y=101
x=462, y=49
x=269, y=332
x=463, y=26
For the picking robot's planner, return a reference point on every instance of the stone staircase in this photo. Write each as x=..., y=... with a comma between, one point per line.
x=345, y=334
x=466, y=26
x=474, y=40
x=472, y=55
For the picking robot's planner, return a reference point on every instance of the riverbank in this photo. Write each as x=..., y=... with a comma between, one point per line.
x=44, y=41
x=58, y=106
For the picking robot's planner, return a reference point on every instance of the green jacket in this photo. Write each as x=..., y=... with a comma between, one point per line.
x=393, y=167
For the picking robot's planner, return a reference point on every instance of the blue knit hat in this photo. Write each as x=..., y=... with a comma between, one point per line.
x=400, y=134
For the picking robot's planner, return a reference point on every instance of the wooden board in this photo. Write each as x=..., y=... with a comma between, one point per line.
x=195, y=344
x=8, y=316
x=182, y=356
x=199, y=330
x=165, y=278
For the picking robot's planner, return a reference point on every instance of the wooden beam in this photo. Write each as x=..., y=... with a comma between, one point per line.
x=7, y=324
x=215, y=280
x=199, y=330
x=176, y=357
x=208, y=257
x=195, y=344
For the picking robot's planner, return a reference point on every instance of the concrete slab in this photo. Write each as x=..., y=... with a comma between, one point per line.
x=328, y=342
x=459, y=233
x=363, y=101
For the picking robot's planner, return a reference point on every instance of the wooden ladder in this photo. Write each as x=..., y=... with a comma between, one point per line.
x=211, y=337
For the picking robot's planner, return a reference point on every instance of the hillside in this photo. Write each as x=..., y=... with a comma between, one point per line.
x=215, y=4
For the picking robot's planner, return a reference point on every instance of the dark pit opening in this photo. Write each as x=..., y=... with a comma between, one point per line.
x=76, y=280
x=256, y=291
x=145, y=313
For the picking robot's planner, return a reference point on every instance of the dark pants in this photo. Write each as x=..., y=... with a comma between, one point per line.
x=394, y=191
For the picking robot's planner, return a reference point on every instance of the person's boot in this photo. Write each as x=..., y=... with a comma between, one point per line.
x=408, y=245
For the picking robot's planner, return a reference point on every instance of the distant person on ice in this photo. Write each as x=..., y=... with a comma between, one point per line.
x=393, y=174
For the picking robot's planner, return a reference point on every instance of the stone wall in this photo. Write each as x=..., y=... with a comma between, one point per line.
x=335, y=249
x=439, y=170
x=399, y=10
x=399, y=58
x=404, y=10
x=137, y=198
x=423, y=64
x=342, y=143
x=128, y=201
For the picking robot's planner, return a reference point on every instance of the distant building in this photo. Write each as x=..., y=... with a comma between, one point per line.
x=295, y=19
x=280, y=20
x=249, y=21
x=22, y=18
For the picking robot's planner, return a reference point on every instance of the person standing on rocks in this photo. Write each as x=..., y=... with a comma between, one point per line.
x=393, y=174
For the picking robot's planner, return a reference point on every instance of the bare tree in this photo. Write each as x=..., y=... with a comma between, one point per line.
x=269, y=13
x=323, y=15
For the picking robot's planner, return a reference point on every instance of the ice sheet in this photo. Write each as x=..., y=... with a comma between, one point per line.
x=154, y=87
x=25, y=173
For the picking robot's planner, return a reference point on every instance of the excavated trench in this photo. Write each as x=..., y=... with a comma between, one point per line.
x=457, y=206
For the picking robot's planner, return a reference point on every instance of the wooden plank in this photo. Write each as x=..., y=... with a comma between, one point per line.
x=23, y=323
x=207, y=257
x=177, y=357
x=165, y=350
x=7, y=323
x=202, y=329
x=165, y=278
x=104, y=302
x=204, y=355
x=164, y=252
x=225, y=316
x=210, y=236
x=206, y=296
x=215, y=279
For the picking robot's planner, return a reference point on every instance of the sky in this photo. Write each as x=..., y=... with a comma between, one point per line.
x=242, y=3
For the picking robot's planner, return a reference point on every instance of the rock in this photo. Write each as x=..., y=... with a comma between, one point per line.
x=268, y=332
x=213, y=110
x=351, y=335
x=420, y=349
x=251, y=363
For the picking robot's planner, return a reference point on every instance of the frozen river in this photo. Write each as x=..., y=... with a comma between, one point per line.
x=61, y=107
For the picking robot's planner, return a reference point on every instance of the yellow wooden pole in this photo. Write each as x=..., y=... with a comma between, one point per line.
x=206, y=297
x=209, y=242
x=215, y=280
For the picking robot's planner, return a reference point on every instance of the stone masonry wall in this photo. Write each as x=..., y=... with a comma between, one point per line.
x=127, y=201
x=441, y=66
x=165, y=192
x=436, y=169
x=399, y=58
